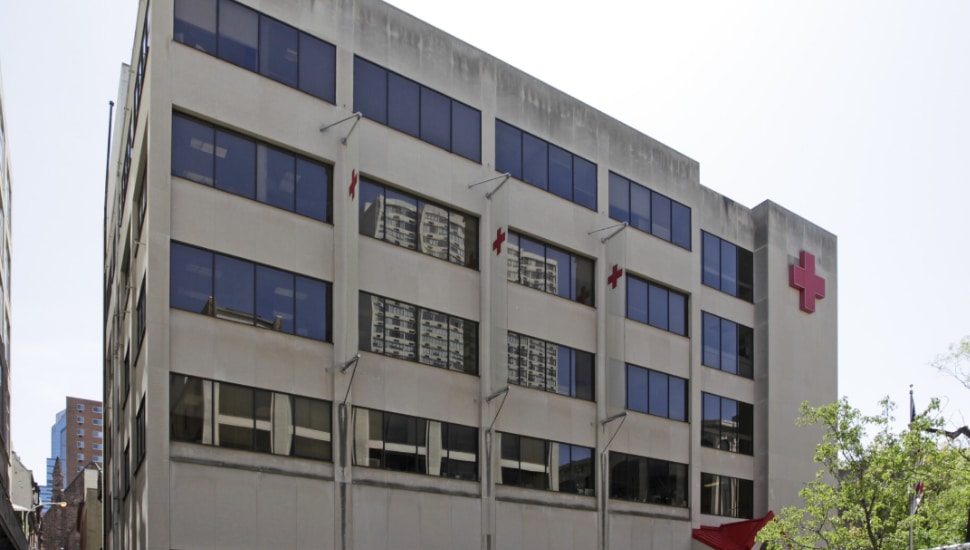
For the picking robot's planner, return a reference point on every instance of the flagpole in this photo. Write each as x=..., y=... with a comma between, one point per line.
x=912, y=498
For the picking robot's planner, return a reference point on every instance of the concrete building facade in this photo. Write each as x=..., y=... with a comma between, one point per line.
x=480, y=315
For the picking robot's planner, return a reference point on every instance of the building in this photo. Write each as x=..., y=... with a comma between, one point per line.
x=77, y=438
x=78, y=523
x=604, y=353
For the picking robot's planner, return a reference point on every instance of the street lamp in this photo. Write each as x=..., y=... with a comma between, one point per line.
x=61, y=504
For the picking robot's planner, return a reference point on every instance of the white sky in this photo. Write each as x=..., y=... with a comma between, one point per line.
x=855, y=115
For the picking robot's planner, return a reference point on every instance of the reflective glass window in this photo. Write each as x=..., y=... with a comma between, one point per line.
x=559, y=278
x=370, y=90
x=649, y=211
x=711, y=340
x=317, y=67
x=466, y=131
x=640, y=210
x=584, y=183
x=238, y=34
x=190, y=409
x=727, y=496
x=658, y=306
x=661, y=216
x=278, y=51
x=371, y=218
x=560, y=172
x=636, y=299
x=312, y=308
x=727, y=267
x=404, y=104
x=311, y=428
x=636, y=388
x=195, y=24
x=234, y=284
x=508, y=149
x=235, y=164
x=192, y=148
x=275, y=177
x=313, y=190
x=535, y=161
x=656, y=393
x=680, y=225
x=190, y=278
x=274, y=299
x=620, y=198
x=435, y=118
x=677, y=303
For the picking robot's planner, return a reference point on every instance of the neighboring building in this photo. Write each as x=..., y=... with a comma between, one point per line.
x=77, y=437
x=25, y=498
x=78, y=524
x=11, y=535
x=321, y=333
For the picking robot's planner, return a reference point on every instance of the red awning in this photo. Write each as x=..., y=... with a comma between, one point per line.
x=732, y=536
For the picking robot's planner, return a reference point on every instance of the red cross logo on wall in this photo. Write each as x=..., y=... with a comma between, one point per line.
x=353, y=184
x=499, y=239
x=802, y=276
x=615, y=276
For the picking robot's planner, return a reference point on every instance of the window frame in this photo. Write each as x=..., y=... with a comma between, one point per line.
x=553, y=386
x=743, y=363
x=625, y=185
x=650, y=373
x=576, y=289
x=742, y=259
x=738, y=439
x=744, y=489
x=645, y=464
x=651, y=288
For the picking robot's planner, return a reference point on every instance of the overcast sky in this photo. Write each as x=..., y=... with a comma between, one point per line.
x=854, y=115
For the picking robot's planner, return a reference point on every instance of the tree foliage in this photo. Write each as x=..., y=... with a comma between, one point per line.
x=862, y=496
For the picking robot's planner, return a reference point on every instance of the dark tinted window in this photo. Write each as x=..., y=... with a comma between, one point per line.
x=404, y=104
x=508, y=149
x=235, y=164
x=727, y=267
x=648, y=480
x=435, y=118
x=318, y=67
x=312, y=304
x=370, y=90
x=728, y=424
x=543, y=267
x=192, y=148
x=550, y=367
x=191, y=278
x=727, y=496
x=656, y=305
x=275, y=177
x=656, y=393
x=274, y=299
x=313, y=190
x=195, y=24
x=466, y=131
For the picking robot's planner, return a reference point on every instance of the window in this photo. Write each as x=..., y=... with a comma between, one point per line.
x=246, y=418
x=405, y=331
x=97, y=435
x=80, y=444
x=80, y=468
x=649, y=211
x=728, y=424
x=96, y=421
x=727, y=267
x=126, y=470
x=97, y=409
x=535, y=363
x=405, y=220
x=219, y=158
x=537, y=265
x=97, y=458
x=97, y=447
x=393, y=441
x=140, y=319
x=80, y=432
x=652, y=392
x=544, y=165
x=728, y=346
x=245, y=292
x=656, y=305
x=140, y=435
x=727, y=496
x=80, y=407
x=80, y=457
x=648, y=480
x=80, y=420
x=416, y=110
x=258, y=43
x=126, y=376
x=540, y=464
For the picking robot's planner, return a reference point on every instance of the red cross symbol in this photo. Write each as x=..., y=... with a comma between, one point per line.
x=802, y=276
x=615, y=276
x=353, y=184
x=499, y=239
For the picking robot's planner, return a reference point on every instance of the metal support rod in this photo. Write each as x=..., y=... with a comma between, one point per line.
x=355, y=116
x=611, y=419
x=621, y=226
x=504, y=177
x=505, y=395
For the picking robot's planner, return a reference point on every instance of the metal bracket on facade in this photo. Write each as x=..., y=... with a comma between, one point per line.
x=504, y=177
x=344, y=139
x=621, y=226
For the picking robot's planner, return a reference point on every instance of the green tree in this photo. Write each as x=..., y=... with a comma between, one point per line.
x=862, y=496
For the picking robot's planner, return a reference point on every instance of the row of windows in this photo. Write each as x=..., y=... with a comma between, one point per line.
x=409, y=444
x=656, y=305
x=240, y=417
x=728, y=425
x=405, y=331
x=403, y=219
x=141, y=434
x=544, y=165
x=246, y=292
x=242, y=166
x=728, y=346
x=550, y=269
x=415, y=109
x=253, y=41
x=547, y=465
x=535, y=363
x=136, y=104
x=657, y=393
x=727, y=267
x=649, y=211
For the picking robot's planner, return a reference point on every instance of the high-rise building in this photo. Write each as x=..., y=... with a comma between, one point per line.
x=77, y=439
x=11, y=534
x=479, y=314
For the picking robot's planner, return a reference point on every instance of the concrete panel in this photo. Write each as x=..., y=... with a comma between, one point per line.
x=541, y=527
x=404, y=520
